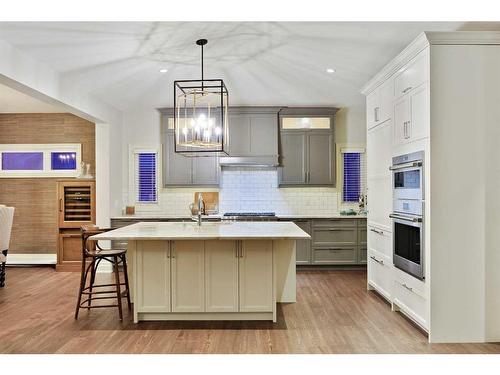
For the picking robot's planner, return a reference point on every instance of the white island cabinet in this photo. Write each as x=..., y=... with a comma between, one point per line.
x=217, y=271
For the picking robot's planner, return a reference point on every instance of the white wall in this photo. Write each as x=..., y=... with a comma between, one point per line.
x=141, y=127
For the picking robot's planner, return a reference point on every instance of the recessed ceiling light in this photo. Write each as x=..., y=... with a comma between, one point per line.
x=163, y=70
x=330, y=70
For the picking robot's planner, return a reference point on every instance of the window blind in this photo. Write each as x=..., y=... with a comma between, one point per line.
x=353, y=169
x=145, y=179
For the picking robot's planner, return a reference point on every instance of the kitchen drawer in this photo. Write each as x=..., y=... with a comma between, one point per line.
x=324, y=237
x=380, y=274
x=342, y=223
x=414, y=74
x=411, y=302
x=335, y=255
x=380, y=241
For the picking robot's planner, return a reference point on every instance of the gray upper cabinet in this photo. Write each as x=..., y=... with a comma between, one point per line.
x=253, y=133
x=179, y=170
x=205, y=171
x=321, y=157
x=239, y=135
x=264, y=134
x=293, y=155
x=307, y=147
x=176, y=168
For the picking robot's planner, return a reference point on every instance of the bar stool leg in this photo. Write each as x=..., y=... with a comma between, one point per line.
x=125, y=272
x=118, y=289
x=83, y=279
x=93, y=266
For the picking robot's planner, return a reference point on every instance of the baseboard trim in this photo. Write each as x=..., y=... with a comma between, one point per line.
x=31, y=259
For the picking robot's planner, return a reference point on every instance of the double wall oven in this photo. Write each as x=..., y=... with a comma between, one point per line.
x=408, y=213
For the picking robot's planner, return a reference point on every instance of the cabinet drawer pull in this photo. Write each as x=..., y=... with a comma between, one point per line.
x=377, y=231
x=407, y=89
x=376, y=260
x=339, y=248
x=335, y=229
x=407, y=287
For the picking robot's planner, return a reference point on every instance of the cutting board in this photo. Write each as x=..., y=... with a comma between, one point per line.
x=211, y=199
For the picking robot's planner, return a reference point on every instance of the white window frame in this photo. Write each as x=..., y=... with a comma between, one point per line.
x=46, y=149
x=343, y=149
x=132, y=191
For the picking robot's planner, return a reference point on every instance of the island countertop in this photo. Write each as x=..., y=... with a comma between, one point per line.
x=207, y=231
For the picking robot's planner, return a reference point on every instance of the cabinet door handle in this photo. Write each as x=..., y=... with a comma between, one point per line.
x=376, y=110
x=237, y=252
x=407, y=89
x=60, y=205
x=172, y=252
x=407, y=287
x=242, y=253
x=376, y=260
x=408, y=129
x=376, y=231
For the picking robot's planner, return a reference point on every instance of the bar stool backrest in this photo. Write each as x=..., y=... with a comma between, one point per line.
x=88, y=245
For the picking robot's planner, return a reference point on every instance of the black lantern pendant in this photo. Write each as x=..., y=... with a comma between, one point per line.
x=200, y=115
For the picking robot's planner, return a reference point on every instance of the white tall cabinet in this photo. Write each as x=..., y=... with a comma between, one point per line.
x=442, y=94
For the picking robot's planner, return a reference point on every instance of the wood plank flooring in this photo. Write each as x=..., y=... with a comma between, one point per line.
x=334, y=314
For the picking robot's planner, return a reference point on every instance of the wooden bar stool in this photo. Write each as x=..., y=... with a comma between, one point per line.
x=92, y=251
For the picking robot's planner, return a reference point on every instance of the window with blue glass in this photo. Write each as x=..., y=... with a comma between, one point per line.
x=352, y=187
x=146, y=178
x=22, y=161
x=62, y=161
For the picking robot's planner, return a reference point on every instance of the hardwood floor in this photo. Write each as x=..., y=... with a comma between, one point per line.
x=334, y=314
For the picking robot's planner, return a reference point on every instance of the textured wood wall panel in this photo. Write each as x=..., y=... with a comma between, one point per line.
x=35, y=199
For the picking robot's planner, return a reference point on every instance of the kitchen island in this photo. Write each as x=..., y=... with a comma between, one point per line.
x=216, y=271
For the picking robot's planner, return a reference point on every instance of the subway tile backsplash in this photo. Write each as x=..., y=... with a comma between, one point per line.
x=251, y=189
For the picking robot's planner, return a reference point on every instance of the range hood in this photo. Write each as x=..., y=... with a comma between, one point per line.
x=249, y=161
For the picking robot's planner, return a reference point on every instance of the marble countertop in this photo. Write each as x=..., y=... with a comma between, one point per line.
x=207, y=231
x=279, y=216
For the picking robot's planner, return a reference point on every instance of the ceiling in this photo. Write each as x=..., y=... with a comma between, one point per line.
x=13, y=101
x=263, y=63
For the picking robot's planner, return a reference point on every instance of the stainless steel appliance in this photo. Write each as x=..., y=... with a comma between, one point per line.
x=250, y=216
x=408, y=213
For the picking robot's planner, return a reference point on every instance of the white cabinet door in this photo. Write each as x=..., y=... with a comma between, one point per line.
x=379, y=177
x=379, y=150
x=380, y=274
x=386, y=97
x=256, y=276
x=154, y=292
x=418, y=126
x=188, y=276
x=413, y=75
x=380, y=201
x=372, y=103
x=221, y=276
x=401, y=120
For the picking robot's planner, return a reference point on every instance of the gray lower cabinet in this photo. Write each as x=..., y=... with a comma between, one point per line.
x=303, y=247
x=307, y=158
x=179, y=170
x=337, y=241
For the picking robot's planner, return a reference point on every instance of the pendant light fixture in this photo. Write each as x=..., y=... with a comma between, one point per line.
x=200, y=115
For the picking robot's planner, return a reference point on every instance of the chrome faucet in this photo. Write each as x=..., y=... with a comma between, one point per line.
x=201, y=208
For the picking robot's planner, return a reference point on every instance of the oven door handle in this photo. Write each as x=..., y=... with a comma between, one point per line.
x=406, y=218
x=414, y=164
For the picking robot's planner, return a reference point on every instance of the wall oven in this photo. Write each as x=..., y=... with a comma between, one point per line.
x=408, y=213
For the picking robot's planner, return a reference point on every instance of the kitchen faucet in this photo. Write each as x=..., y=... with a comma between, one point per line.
x=201, y=208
